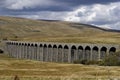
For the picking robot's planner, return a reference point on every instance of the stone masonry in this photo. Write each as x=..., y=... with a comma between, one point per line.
x=59, y=52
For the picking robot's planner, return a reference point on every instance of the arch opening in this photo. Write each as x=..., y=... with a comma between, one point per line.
x=26, y=51
x=87, y=53
x=112, y=50
x=80, y=53
x=1, y=51
x=22, y=44
x=32, y=51
x=35, y=51
x=32, y=45
x=45, y=52
x=22, y=50
x=36, y=45
x=40, y=45
x=25, y=44
x=19, y=44
x=28, y=44
x=73, y=53
x=95, y=54
x=60, y=52
x=49, y=52
x=65, y=53
x=103, y=52
x=41, y=52
x=54, y=55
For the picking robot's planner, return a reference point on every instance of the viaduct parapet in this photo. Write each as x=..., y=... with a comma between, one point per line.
x=59, y=52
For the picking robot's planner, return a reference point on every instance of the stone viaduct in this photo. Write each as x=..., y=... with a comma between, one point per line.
x=59, y=52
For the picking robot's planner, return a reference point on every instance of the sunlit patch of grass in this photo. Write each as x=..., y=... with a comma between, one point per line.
x=37, y=70
x=44, y=31
x=57, y=78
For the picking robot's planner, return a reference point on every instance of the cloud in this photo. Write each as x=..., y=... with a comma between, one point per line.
x=85, y=2
x=47, y=15
x=48, y=5
x=97, y=14
x=21, y=4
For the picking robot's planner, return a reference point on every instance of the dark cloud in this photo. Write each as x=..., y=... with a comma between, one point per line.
x=51, y=8
x=84, y=2
x=75, y=3
x=58, y=5
x=71, y=10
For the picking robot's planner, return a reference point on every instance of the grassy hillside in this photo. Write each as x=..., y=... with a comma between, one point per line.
x=54, y=31
x=36, y=70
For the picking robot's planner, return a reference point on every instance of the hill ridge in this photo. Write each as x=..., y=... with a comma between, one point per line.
x=23, y=29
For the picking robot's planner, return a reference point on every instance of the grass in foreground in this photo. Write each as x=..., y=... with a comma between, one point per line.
x=37, y=70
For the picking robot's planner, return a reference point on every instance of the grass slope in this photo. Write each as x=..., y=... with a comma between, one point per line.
x=54, y=31
x=37, y=70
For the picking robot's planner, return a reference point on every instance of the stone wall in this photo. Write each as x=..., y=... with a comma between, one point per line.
x=59, y=52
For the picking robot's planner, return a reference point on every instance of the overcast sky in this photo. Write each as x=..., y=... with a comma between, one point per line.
x=103, y=13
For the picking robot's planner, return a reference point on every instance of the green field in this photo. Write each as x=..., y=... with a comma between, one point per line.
x=37, y=70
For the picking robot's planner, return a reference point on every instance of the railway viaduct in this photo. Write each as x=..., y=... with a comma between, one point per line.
x=59, y=52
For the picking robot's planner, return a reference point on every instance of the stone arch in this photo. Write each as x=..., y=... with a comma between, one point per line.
x=54, y=55
x=60, y=53
x=103, y=52
x=19, y=44
x=112, y=50
x=35, y=51
x=29, y=51
x=65, y=53
x=12, y=43
x=73, y=53
x=54, y=46
x=22, y=50
x=22, y=44
x=13, y=50
x=50, y=45
x=26, y=50
x=1, y=51
x=95, y=53
x=50, y=52
x=17, y=50
x=80, y=53
x=40, y=45
x=28, y=44
x=36, y=45
x=9, y=48
x=9, y=42
x=41, y=52
x=45, y=52
x=87, y=53
x=16, y=43
x=32, y=51
x=32, y=45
